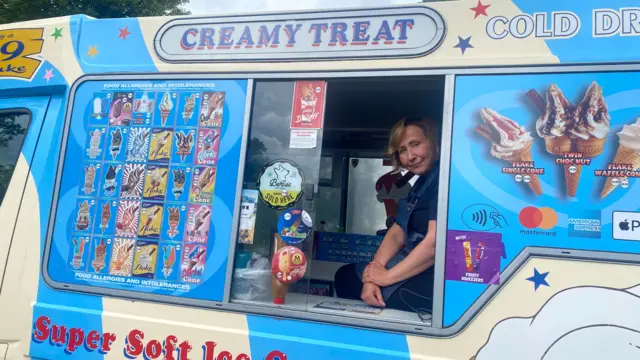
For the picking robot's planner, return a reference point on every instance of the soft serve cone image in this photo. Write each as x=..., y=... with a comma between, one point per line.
x=165, y=107
x=592, y=122
x=628, y=153
x=510, y=141
x=553, y=126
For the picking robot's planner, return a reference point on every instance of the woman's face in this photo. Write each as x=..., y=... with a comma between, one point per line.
x=414, y=150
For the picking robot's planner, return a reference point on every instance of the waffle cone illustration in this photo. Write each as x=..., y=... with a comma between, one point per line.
x=628, y=153
x=510, y=141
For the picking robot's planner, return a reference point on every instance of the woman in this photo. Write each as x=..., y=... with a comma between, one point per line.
x=401, y=273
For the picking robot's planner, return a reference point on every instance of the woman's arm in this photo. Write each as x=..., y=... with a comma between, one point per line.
x=418, y=260
x=391, y=244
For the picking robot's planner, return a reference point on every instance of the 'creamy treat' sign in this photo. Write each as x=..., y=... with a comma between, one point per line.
x=391, y=32
x=280, y=184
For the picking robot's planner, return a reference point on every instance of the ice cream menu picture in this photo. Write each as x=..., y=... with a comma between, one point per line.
x=148, y=187
x=544, y=161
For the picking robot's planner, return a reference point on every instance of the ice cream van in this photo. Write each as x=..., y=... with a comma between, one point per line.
x=188, y=187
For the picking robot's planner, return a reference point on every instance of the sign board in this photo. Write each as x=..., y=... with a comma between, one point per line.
x=387, y=32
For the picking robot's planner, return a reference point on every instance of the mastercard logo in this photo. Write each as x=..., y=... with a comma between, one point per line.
x=544, y=218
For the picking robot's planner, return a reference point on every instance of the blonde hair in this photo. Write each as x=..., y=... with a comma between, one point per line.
x=430, y=130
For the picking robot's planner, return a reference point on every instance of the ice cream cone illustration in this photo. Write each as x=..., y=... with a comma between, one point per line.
x=188, y=107
x=83, y=217
x=205, y=180
x=179, y=178
x=165, y=107
x=592, y=122
x=201, y=218
x=105, y=216
x=553, y=127
x=185, y=144
x=628, y=154
x=510, y=141
x=195, y=257
x=169, y=258
x=116, y=143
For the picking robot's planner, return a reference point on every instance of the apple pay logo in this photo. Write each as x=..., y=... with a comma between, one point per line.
x=626, y=225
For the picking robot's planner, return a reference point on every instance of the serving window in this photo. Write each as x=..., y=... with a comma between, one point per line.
x=312, y=197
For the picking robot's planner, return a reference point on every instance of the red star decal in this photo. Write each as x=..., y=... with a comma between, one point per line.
x=480, y=9
x=124, y=33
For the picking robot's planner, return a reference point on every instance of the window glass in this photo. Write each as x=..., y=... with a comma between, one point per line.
x=13, y=128
x=272, y=154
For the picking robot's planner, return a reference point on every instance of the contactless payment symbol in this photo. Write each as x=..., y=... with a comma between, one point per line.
x=544, y=218
x=294, y=226
x=483, y=217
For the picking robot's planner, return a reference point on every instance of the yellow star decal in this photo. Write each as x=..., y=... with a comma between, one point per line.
x=93, y=51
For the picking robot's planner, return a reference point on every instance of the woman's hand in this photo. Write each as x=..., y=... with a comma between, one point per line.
x=377, y=274
x=372, y=295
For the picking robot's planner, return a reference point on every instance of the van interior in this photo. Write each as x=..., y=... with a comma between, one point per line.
x=349, y=214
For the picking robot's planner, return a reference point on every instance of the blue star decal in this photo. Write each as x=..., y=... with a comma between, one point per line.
x=464, y=44
x=538, y=279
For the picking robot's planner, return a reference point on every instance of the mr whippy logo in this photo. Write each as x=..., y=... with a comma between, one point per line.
x=17, y=46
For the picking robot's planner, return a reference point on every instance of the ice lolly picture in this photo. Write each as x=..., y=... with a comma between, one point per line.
x=627, y=155
x=99, y=254
x=127, y=218
x=150, y=220
x=122, y=257
x=212, y=109
x=189, y=106
x=138, y=144
x=510, y=141
x=198, y=224
x=193, y=262
x=132, y=181
x=161, y=142
x=168, y=266
x=144, y=259
x=155, y=187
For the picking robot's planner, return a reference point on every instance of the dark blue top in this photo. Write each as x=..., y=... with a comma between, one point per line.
x=414, y=213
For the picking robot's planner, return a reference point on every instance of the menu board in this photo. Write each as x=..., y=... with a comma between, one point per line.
x=148, y=186
x=544, y=160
